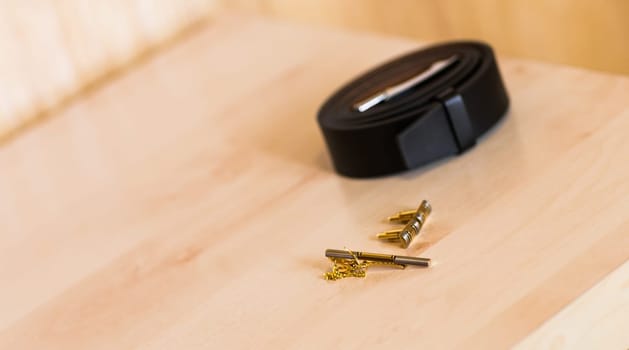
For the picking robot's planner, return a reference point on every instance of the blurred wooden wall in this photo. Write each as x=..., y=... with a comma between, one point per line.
x=52, y=50
x=592, y=34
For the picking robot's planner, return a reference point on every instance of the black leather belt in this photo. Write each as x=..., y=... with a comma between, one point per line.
x=418, y=108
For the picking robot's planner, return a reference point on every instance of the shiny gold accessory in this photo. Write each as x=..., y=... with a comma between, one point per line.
x=347, y=263
x=414, y=220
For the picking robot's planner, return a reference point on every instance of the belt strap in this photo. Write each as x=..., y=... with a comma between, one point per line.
x=442, y=115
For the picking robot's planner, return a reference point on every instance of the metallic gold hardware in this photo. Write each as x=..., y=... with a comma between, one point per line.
x=346, y=263
x=387, y=258
x=390, y=235
x=414, y=221
x=405, y=216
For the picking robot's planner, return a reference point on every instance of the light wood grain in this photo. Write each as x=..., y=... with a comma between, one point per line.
x=188, y=204
x=596, y=318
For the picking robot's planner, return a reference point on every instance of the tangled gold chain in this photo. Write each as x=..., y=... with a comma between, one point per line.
x=343, y=268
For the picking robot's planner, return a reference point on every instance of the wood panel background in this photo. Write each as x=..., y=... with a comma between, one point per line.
x=52, y=51
x=591, y=34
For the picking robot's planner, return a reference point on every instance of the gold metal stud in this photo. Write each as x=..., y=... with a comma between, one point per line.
x=414, y=221
x=405, y=216
x=390, y=235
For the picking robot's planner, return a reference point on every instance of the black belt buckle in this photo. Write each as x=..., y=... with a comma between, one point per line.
x=427, y=105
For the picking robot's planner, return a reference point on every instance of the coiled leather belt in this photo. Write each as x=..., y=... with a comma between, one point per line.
x=418, y=108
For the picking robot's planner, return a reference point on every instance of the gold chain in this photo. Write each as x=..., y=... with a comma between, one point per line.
x=343, y=268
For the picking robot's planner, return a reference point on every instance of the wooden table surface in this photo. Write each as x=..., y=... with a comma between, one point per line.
x=188, y=204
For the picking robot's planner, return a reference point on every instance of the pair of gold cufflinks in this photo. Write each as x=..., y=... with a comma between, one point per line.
x=413, y=220
x=347, y=263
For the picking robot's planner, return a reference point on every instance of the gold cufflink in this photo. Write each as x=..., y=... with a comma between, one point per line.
x=414, y=220
x=347, y=263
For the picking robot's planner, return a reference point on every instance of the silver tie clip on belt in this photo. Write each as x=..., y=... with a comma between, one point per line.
x=404, y=86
